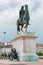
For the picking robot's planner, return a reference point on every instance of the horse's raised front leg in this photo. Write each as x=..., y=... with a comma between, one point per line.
x=21, y=28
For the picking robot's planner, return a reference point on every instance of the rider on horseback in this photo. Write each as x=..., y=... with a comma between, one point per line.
x=20, y=20
x=21, y=13
x=23, y=19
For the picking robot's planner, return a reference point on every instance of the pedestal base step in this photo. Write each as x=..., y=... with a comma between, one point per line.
x=27, y=58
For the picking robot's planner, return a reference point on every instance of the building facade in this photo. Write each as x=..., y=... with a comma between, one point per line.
x=39, y=47
x=5, y=47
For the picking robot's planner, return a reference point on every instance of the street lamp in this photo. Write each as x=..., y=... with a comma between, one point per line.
x=4, y=43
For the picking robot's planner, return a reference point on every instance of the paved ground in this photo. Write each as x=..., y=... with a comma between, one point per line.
x=8, y=62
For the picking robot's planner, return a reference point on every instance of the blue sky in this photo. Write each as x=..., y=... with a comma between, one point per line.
x=9, y=12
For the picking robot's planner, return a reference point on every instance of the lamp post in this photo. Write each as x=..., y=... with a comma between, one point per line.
x=4, y=44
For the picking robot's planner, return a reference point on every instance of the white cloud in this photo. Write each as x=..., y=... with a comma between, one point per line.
x=9, y=12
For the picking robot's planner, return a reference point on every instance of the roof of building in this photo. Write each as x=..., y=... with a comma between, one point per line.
x=8, y=44
x=1, y=44
x=39, y=45
x=5, y=44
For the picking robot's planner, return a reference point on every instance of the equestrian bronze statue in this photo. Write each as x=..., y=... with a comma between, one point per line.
x=24, y=18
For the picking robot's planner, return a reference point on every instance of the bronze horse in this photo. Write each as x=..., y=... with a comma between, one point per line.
x=23, y=19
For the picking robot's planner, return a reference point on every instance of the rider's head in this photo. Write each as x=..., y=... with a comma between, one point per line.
x=22, y=7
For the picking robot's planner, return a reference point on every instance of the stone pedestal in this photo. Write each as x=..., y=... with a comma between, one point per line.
x=26, y=46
